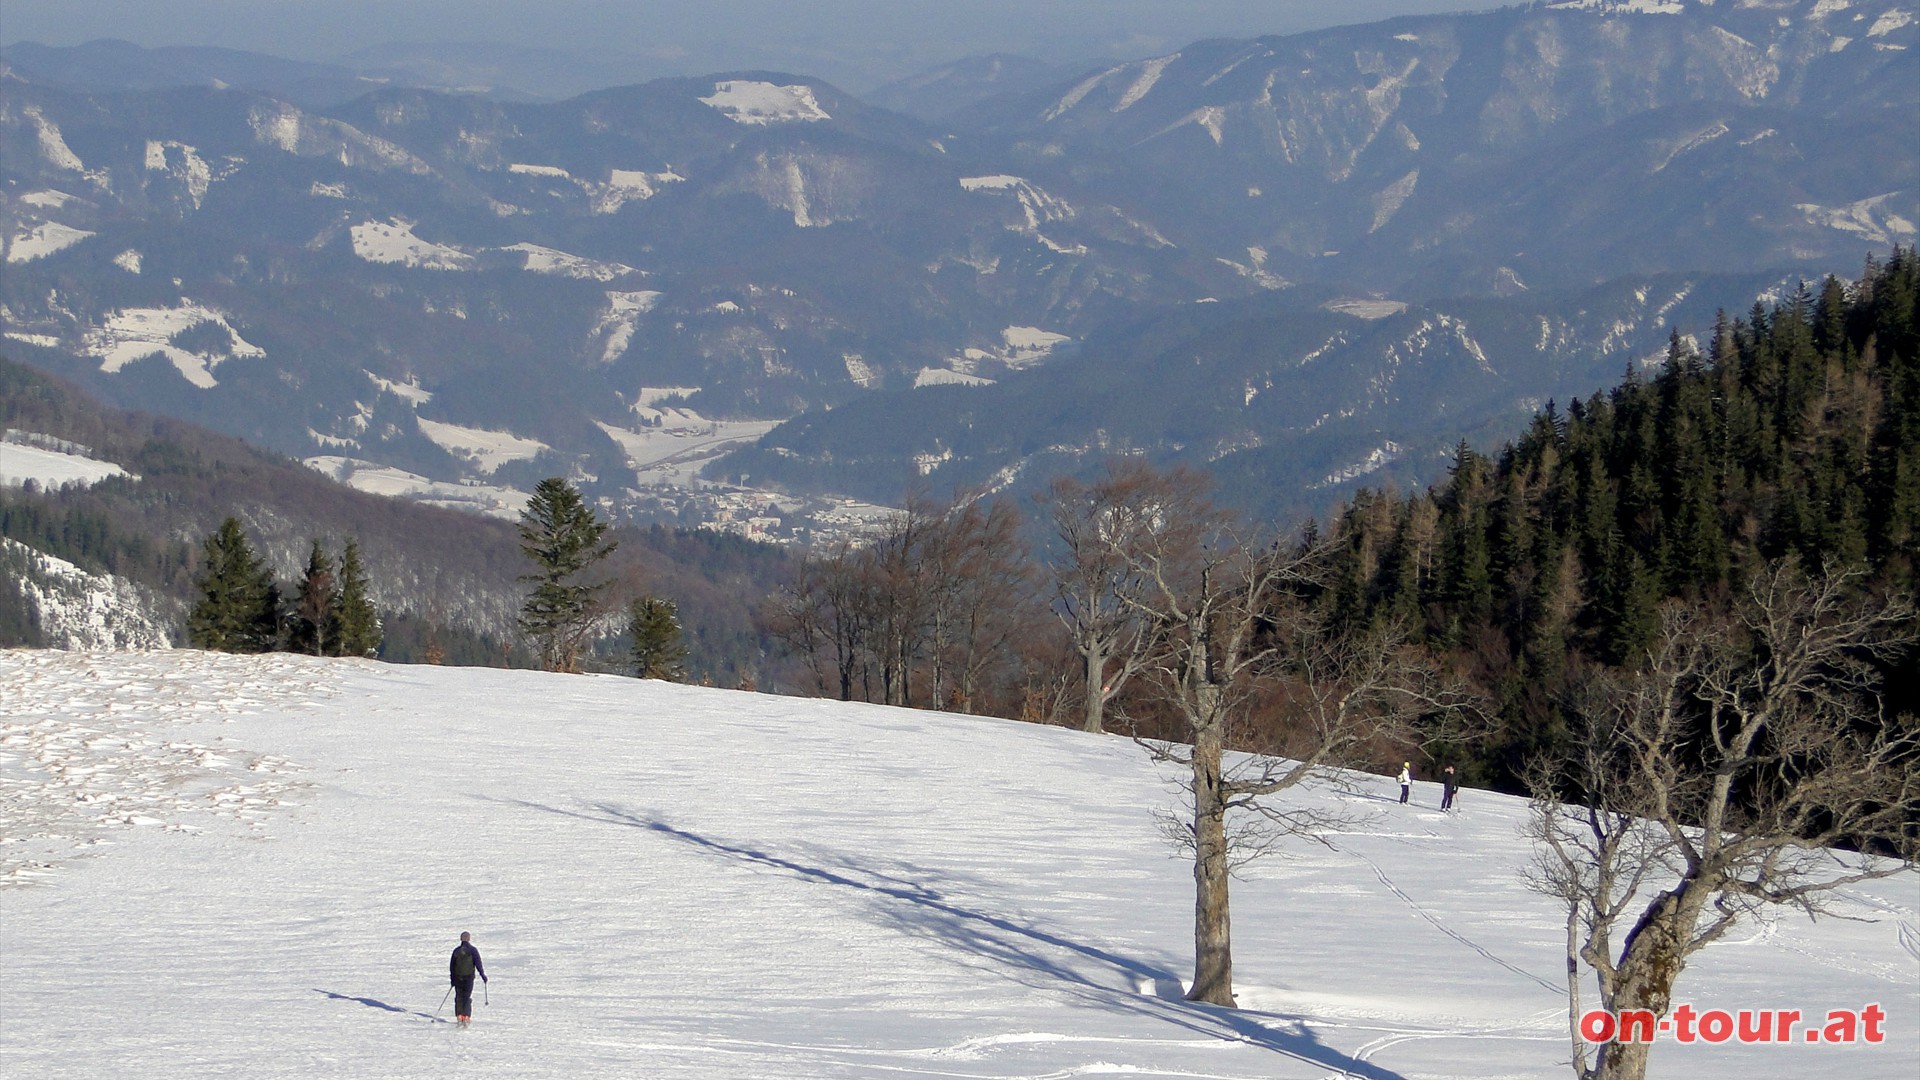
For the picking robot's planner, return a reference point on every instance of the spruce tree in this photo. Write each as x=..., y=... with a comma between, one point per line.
x=359, y=624
x=565, y=539
x=239, y=604
x=313, y=625
x=658, y=649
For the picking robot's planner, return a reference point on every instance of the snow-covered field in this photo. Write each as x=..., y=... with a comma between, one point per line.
x=20, y=463
x=491, y=499
x=256, y=866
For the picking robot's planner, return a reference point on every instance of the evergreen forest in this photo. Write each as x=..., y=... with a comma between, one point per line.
x=1795, y=432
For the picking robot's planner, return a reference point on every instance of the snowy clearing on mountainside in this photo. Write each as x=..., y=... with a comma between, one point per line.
x=758, y=103
x=258, y=866
x=20, y=463
x=375, y=479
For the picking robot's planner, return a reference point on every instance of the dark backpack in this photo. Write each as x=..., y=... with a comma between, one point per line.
x=463, y=964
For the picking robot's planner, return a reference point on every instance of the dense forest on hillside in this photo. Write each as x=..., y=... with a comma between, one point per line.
x=1795, y=433
x=445, y=582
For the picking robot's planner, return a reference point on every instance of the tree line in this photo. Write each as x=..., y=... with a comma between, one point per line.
x=242, y=609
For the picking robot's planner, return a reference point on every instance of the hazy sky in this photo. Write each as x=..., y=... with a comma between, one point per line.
x=865, y=36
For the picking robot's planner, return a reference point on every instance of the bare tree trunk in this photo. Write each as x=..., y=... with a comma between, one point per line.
x=1651, y=959
x=1096, y=666
x=1212, y=927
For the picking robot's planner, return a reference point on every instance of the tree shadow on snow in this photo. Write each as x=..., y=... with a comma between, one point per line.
x=372, y=1003
x=1046, y=958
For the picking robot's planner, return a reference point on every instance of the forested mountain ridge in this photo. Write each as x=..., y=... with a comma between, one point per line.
x=1289, y=404
x=1795, y=434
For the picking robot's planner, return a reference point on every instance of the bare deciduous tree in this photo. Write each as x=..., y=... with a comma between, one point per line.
x=824, y=616
x=1101, y=526
x=981, y=585
x=1718, y=779
x=938, y=596
x=1230, y=628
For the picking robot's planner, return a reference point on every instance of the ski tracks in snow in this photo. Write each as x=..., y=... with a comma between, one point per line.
x=84, y=753
x=950, y=1061
x=1443, y=927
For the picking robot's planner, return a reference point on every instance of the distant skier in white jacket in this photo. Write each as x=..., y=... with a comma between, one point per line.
x=1406, y=781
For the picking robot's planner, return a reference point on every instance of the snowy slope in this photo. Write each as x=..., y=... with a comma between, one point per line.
x=257, y=866
x=20, y=463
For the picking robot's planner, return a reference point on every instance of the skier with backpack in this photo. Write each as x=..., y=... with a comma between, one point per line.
x=461, y=968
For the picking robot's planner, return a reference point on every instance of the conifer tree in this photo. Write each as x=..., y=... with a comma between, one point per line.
x=313, y=625
x=565, y=539
x=239, y=604
x=658, y=649
x=353, y=612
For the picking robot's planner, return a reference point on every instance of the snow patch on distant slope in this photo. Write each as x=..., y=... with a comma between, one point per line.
x=631, y=185
x=1889, y=22
x=184, y=162
x=42, y=240
x=1870, y=219
x=762, y=103
x=1030, y=343
x=485, y=450
x=1693, y=142
x=47, y=200
x=616, y=325
x=135, y=333
x=1389, y=200
x=1210, y=118
x=1255, y=269
x=1630, y=7
x=284, y=127
x=374, y=479
x=1036, y=205
x=1078, y=94
x=1376, y=459
x=675, y=442
x=546, y=260
x=409, y=391
x=393, y=241
x=53, y=145
x=931, y=376
x=1021, y=347
x=1150, y=72
x=49, y=467
x=1365, y=308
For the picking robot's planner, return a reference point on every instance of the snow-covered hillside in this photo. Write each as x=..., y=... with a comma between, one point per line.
x=256, y=866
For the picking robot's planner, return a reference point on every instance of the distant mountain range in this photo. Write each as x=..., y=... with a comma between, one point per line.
x=1300, y=259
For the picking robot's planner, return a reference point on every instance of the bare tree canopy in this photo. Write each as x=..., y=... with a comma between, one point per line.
x=924, y=614
x=1105, y=529
x=1719, y=778
x=1230, y=631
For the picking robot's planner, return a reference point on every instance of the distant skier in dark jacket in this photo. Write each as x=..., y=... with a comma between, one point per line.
x=1447, y=786
x=461, y=969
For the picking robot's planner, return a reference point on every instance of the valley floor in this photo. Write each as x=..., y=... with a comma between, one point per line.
x=257, y=866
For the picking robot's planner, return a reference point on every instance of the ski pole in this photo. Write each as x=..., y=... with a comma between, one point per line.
x=485, y=998
x=443, y=1002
